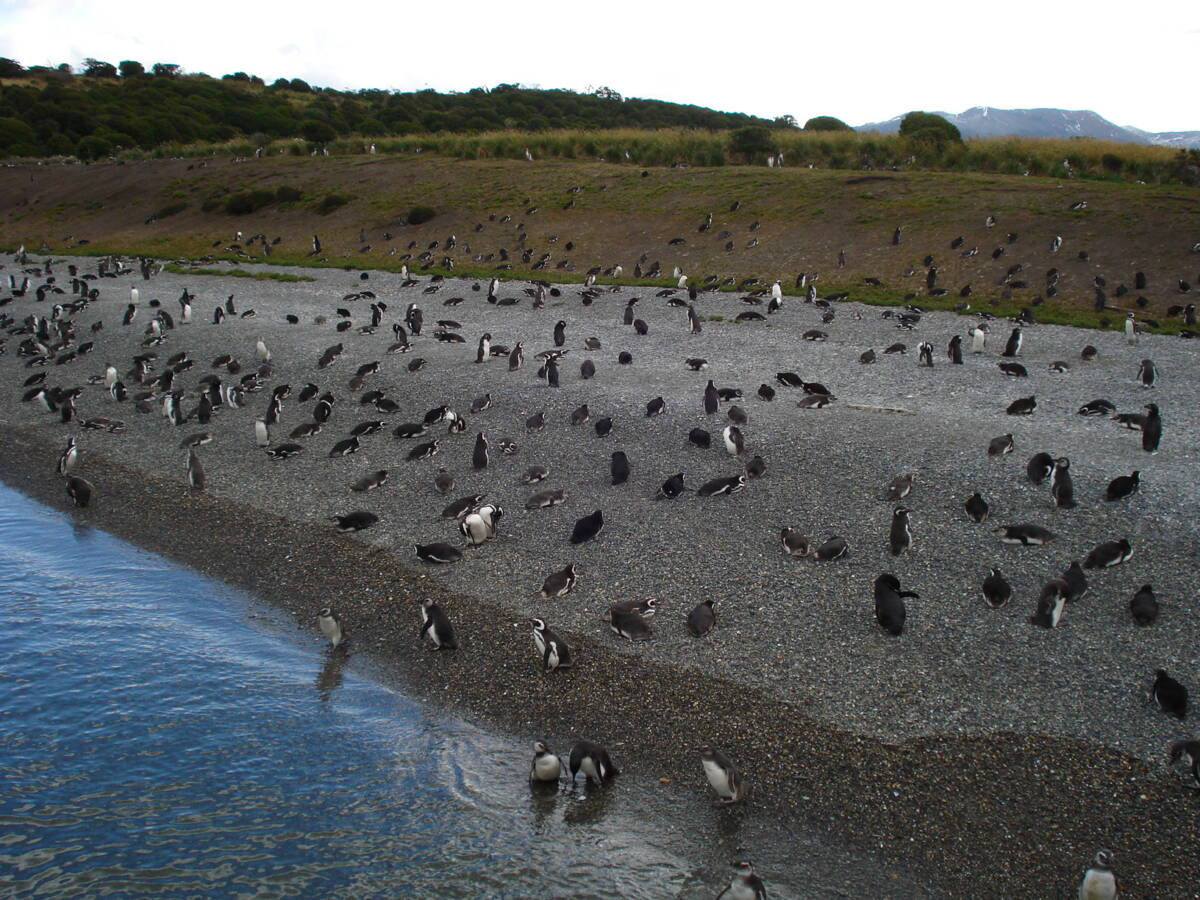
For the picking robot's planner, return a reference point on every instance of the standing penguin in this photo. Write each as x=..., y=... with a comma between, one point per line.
x=1099, y=882
x=977, y=507
x=560, y=333
x=552, y=373
x=516, y=357
x=702, y=618
x=735, y=442
x=900, y=535
x=331, y=626
x=479, y=458
x=195, y=471
x=69, y=458
x=262, y=437
x=619, y=467
x=1131, y=333
x=978, y=339
x=1152, y=429
x=723, y=776
x=889, y=604
x=746, y=885
x=1062, y=488
x=546, y=766
x=485, y=348
x=954, y=351
x=436, y=626
x=711, y=401
x=1144, y=606
x=1013, y=347
x=1170, y=695
x=1147, y=373
x=553, y=650
x=693, y=320
x=79, y=490
x=925, y=354
x=591, y=759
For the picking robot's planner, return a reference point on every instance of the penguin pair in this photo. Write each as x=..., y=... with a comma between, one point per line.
x=479, y=526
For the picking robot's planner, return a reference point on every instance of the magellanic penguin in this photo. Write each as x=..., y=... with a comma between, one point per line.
x=900, y=534
x=195, y=471
x=1131, y=331
x=889, y=604
x=1144, y=606
x=436, y=626
x=553, y=650
x=1170, y=696
x=1062, y=488
x=1152, y=429
x=711, y=401
x=1109, y=554
x=954, y=351
x=1077, y=583
x=735, y=443
x=587, y=527
x=1025, y=534
x=591, y=759
x=355, y=521
x=559, y=583
x=479, y=457
x=546, y=766
x=439, y=552
x=745, y=885
x=900, y=487
x=977, y=507
x=996, y=589
x=794, y=543
x=1050, y=604
x=1039, y=467
x=702, y=618
x=1099, y=882
x=1123, y=486
x=1189, y=753
x=370, y=482
x=1147, y=373
x=723, y=776
x=331, y=626
x=1022, y=406
x=484, y=350
x=834, y=547
x=69, y=458
x=978, y=338
x=629, y=624
x=998, y=446
x=80, y=490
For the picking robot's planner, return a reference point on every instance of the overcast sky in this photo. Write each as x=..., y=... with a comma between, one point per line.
x=860, y=61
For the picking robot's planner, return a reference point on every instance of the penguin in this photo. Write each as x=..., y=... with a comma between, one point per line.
x=1109, y=554
x=723, y=776
x=718, y=486
x=735, y=443
x=1097, y=407
x=619, y=467
x=794, y=543
x=1050, y=604
x=996, y=589
x=1062, y=488
x=553, y=650
x=766, y=392
x=603, y=426
x=536, y=422
x=1024, y=534
x=671, y=488
x=694, y=326
x=998, y=446
x=546, y=766
x=745, y=884
x=1144, y=606
x=977, y=507
x=345, y=448
x=591, y=759
x=889, y=604
x=700, y=438
x=516, y=357
x=355, y=521
x=436, y=626
x=702, y=618
x=261, y=351
x=195, y=471
x=1013, y=370
x=656, y=407
x=1152, y=429
x=552, y=373
x=484, y=350
x=438, y=553
x=1022, y=406
x=587, y=527
x=1077, y=583
x=284, y=451
x=370, y=482
x=69, y=458
x=79, y=490
x=1123, y=486
x=1147, y=373
x=865, y=358
x=710, y=398
x=331, y=626
x=756, y=468
x=954, y=350
x=1189, y=753
x=925, y=354
x=423, y=451
x=1013, y=346
x=1131, y=331
x=587, y=369
x=629, y=624
x=644, y=608
x=900, y=487
x=581, y=415
x=463, y=505
x=834, y=547
x=900, y=534
x=476, y=529
x=1039, y=468
x=558, y=584
x=560, y=333
x=479, y=457
x=1170, y=695
x=1099, y=882
x=546, y=499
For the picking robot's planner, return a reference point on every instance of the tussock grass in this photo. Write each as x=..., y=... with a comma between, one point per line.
x=178, y=269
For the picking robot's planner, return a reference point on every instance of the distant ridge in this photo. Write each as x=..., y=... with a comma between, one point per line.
x=987, y=121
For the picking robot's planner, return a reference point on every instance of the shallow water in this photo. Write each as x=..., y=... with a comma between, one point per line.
x=164, y=734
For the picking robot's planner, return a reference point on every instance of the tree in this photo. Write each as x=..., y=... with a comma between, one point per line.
x=280, y=84
x=929, y=128
x=95, y=68
x=318, y=132
x=92, y=147
x=131, y=68
x=788, y=121
x=165, y=70
x=14, y=132
x=300, y=85
x=607, y=93
x=10, y=68
x=826, y=123
x=752, y=142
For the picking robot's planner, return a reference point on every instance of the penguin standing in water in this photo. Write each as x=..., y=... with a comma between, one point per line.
x=954, y=351
x=546, y=766
x=1099, y=882
x=436, y=626
x=591, y=759
x=331, y=626
x=746, y=885
x=485, y=348
x=723, y=777
x=553, y=650
x=479, y=457
x=1013, y=347
x=1152, y=429
x=1062, y=488
x=900, y=534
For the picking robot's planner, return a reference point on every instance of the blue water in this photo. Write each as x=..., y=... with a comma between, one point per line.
x=163, y=734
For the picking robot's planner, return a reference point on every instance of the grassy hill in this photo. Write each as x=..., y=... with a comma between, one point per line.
x=591, y=214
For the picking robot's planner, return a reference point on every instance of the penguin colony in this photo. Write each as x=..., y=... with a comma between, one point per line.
x=244, y=397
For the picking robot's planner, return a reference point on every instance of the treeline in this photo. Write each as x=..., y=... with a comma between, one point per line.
x=107, y=108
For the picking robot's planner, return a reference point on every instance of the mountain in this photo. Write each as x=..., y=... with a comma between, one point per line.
x=987, y=121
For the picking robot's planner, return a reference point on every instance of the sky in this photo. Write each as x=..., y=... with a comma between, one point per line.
x=862, y=62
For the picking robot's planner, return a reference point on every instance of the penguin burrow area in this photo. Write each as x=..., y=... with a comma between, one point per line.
x=801, y=629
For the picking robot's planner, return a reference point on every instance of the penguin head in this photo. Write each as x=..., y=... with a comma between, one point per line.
x=1103, y=858
x=538, y=625
x=325, y=612
x=540, y=747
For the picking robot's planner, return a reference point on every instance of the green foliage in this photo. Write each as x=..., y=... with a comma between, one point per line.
x=10, y=68
x=329, y=203
x=826, y=123
x=171, y=209
x=165, y=70
x=929, y=128
x=131, y=68
x=93, y=147
x=14, y=132
x=300, y=86
x=94, y=68
x=245, y=202
x=419, y=215
x=318, y=132
x=287, y=194
x=752, y=141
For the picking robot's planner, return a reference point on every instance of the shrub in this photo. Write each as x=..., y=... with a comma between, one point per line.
x=1112, y=163
x=419, y=215
x=329, y=203
x=826, y=123
x=318, y=132
x=752, y=141
x=287, y=194
x=245, y=202
x=926, y=127
x=92, y=147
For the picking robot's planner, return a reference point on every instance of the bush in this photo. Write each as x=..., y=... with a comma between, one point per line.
x=287, y=194
x=329, y=203
x=419, y=215
x=752, y=141
x=92, y=147
x=131, y=68
x=826, y=123
x=928, y=128
x=171, y=209
x=245, y=202
x=1112, y=163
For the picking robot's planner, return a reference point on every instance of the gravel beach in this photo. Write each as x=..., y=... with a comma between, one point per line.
x=990, y=755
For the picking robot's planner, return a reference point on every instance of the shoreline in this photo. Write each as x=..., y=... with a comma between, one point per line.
x=1030, y=800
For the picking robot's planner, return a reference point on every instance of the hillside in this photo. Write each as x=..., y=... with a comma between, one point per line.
x=559, y=220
